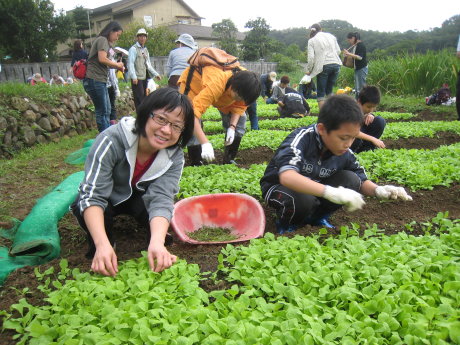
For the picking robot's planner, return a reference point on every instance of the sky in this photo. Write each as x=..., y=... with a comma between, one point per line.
x=379, y=15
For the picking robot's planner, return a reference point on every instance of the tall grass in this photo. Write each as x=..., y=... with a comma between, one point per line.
x=409, y=74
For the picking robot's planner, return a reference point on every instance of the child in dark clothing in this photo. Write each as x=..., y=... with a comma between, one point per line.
x=314, y=172
x=293, y=104
x=373, y=126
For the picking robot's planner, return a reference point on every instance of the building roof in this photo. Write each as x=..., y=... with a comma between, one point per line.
x=199, y=31
x=124, y=5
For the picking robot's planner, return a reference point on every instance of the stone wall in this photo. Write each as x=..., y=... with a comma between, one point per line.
x=42, y=123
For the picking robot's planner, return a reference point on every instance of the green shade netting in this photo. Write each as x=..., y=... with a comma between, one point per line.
x=79, y=156
x=36, y=239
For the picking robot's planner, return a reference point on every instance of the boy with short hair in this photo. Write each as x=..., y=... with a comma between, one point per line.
x=373, y=126
x=314, y=172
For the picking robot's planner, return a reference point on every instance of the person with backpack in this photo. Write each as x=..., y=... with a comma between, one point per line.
x=138, y=66
x=95, y=81
x=293, y=104
x=229, y=88
x=78, y=52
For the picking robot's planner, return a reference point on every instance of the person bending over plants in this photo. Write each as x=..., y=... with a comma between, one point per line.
x=314, y=172
x=134, y=168
x=373, y=126
x=231, y=92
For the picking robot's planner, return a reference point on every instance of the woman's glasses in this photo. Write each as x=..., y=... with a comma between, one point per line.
x=163, y=121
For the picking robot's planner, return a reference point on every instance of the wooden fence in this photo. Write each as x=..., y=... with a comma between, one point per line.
x=20, y=72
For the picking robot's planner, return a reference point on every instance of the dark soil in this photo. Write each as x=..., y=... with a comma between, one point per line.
x=131, y=239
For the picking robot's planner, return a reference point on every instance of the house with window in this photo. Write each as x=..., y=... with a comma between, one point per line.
x=175, y=14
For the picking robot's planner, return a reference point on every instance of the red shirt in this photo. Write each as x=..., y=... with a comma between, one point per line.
x=140, y=169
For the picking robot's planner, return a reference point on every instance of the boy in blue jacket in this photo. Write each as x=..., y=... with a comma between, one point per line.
x=314, y=172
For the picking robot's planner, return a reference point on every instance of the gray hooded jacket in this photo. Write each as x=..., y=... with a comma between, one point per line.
x=109, y=170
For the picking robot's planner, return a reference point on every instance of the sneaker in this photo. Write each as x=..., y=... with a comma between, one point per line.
x=321, y=221
x=283, y=228
x=113, y=122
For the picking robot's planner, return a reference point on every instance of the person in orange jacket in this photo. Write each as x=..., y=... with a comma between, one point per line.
x=231, y=93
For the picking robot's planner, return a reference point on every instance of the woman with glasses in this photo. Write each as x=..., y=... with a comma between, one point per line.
x=134, y=168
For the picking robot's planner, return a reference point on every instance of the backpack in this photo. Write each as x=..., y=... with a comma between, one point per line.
x=79, y=69
x=210, y=56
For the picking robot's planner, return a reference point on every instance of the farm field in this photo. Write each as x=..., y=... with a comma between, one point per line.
x=264, y=291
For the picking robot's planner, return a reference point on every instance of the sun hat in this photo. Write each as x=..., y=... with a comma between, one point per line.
x=272, y=76
x=141, y=32
x=37, y=77
x=306, y=79
x=121, y=50
x=187, y=40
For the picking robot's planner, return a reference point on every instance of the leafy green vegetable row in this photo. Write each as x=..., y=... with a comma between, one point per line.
x=273, y=138
x=398, y=289
x=416, y=169
x=269, y=111
x=263, y=110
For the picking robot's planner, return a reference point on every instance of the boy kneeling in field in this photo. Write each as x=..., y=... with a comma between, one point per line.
x=373, y=126
x=314, y=172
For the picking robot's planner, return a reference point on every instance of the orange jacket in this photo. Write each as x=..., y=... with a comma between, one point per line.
x=209, y=89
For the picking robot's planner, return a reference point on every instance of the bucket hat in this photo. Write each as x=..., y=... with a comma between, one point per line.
x=187, y=40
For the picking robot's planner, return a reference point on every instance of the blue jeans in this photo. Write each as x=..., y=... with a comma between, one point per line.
x=97, y=90
x=271, y=101
x=325, y=81
x=360, y=79
x=252, y=113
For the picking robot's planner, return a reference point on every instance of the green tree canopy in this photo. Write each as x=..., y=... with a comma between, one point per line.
x=226, y=32
x=160, y=39
x=30, y=30
x=256, y=44
x=80, y=18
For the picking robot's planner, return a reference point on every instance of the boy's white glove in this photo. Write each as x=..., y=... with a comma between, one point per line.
x=230, y=136
x=390, y=192
x=117, y=93
x=207, y=152
x=343, y=196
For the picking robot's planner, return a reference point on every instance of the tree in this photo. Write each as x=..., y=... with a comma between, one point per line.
x=160, y=39
x=226, y=32
x=256, y=44
x=34, y=39
x=80, y=18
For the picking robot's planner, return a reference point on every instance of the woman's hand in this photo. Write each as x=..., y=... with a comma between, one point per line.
x=105, y=260
x=159, y=258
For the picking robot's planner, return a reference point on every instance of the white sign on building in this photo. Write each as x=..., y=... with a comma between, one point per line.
x=148, y=21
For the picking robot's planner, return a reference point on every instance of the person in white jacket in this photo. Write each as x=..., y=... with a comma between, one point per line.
x=323, y=61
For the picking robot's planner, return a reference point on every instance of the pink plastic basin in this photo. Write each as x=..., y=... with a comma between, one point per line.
x=239, y=212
